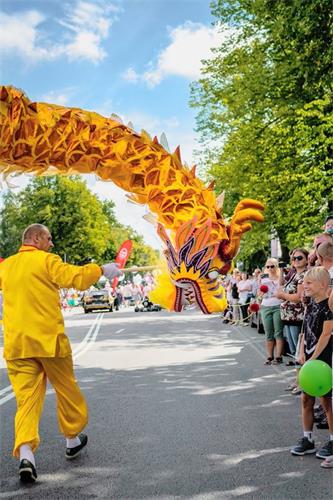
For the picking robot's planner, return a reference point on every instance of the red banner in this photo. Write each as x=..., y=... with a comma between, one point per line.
x=122, y=257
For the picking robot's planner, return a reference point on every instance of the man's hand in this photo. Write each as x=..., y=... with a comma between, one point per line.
x=111, y=270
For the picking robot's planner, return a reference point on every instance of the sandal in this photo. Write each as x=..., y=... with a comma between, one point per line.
x=268, y=361
x=290, y=363
x=278, y=361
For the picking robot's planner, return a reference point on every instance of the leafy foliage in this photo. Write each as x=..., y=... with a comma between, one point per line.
x=265, y=115
x=83, y=227
x=141, y=255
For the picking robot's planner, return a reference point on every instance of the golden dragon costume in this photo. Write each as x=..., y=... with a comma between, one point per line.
x=44, y=139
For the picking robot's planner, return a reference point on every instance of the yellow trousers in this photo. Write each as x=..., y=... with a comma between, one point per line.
x=28, y=378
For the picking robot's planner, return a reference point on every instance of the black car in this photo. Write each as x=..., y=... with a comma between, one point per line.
x=97, y=299
x=147, y=306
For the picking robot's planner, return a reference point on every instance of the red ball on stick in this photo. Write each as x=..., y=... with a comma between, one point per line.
x=254, y=308
x=264, y=288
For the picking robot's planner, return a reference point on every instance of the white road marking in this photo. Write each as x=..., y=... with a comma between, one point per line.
x=81, y=349
x=91, y=340
x=121, y=330
x=9, y=396
x=6, y=389
x=88, y=336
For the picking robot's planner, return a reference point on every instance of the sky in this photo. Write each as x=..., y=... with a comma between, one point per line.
x=134, y=58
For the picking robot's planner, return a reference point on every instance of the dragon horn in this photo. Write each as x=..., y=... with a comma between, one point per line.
x=164, y=142
x=220, y=201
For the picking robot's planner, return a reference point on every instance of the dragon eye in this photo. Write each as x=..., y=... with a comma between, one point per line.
x=213, y=275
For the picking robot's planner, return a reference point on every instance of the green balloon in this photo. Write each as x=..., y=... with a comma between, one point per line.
x=315, y=378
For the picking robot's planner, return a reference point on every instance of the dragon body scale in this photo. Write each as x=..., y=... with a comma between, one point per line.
x=45, y=139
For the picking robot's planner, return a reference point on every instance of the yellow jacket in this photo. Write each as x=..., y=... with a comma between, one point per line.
x=32, y=319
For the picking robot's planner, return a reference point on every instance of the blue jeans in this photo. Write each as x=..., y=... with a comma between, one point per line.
x=292, y=333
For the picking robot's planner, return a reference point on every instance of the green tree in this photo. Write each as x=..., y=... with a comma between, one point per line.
x=118, y=232
x=82, y=226
x=73, y=214
x=141, y=255
x=265, y=115
x=10, y=227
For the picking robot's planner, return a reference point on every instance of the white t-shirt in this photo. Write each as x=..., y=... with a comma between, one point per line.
x=127, y=291
x=230, y=280
x=244, y=289
x=273, y=286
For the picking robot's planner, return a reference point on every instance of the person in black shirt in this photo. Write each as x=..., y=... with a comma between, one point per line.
x=316, y=343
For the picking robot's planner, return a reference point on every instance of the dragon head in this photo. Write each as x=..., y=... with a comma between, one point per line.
x=193, y=273
x=196, y=260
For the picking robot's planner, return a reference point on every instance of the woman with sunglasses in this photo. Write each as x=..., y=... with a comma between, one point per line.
x=270, y=313
x=292, y=308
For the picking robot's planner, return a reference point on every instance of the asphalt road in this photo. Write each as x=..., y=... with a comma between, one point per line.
x=181, y=407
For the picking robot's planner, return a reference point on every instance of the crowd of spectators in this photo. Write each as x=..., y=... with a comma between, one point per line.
x=295, y=303
x=130, y=292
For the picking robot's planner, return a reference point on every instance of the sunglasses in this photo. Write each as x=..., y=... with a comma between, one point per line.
x=298, y=257
x=270, y=267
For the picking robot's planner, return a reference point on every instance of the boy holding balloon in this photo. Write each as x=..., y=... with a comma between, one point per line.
x=316, y=344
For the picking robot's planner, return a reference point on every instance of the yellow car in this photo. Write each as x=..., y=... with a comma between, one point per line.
x=97, y=299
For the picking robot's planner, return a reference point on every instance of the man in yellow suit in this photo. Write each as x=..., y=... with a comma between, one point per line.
x=35, y=345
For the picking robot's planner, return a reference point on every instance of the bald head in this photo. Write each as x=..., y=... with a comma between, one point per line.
x=38, y=236
x=32, y=230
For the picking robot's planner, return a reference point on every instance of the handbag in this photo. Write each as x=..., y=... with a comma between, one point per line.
x=292, y=311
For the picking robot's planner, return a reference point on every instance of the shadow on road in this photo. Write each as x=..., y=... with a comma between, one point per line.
x=217, y=428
